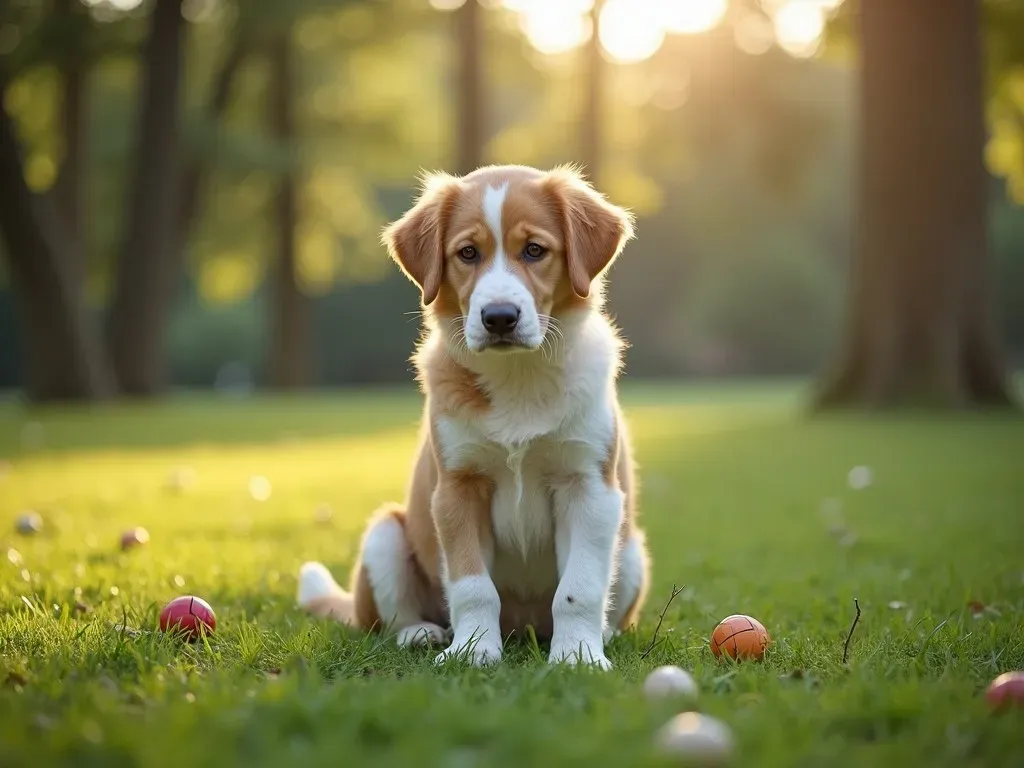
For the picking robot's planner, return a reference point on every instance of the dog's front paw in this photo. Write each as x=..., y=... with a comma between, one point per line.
x=576, y=652
x=424, y=633
x=478, y=651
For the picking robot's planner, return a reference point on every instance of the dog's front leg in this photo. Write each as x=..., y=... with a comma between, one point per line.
x=461, y=507
x=588, y=513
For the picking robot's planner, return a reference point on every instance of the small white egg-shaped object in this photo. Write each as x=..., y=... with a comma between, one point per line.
x=670, y=681
x=696, y=739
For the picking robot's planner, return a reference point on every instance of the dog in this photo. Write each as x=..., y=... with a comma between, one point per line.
x=521, y=511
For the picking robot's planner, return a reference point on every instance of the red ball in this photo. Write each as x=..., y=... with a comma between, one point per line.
x=1006, y=690
x=188, y=615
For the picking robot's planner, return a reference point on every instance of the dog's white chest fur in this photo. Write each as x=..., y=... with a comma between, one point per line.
x=522, y=516
x=547, y=425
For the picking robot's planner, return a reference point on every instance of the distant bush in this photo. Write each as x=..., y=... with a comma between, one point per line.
x=773, y=312
x=203, y=338
x=1007, y=232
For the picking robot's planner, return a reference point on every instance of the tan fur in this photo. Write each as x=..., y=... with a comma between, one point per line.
x=461, y=510
x=415, y=241
x=451, y=388
x=366, y=613
x=595, y=230
x=583, y=234
x=341, y=608
x=610, y=465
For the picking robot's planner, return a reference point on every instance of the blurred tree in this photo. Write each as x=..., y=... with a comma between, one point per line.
x=592, y=117
x=472, y=111
x=54, y=44
x=290, y=340
x=65, y=359
x=195, y=178
x=74, y=66
x=146, y=270
x=919, y=329
x=701, y=136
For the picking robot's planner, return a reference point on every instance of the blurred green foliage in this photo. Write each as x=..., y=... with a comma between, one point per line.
x=739, y=167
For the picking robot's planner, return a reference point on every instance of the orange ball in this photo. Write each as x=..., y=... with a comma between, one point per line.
x=741, y=637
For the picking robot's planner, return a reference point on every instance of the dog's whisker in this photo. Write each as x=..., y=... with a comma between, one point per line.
x=554, y=336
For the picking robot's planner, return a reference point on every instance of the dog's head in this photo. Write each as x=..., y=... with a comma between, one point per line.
x=507, y=248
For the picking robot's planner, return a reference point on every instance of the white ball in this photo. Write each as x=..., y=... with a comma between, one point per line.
x=696, y=739
x=670, y=681
x=860, y=478
x=259, y=488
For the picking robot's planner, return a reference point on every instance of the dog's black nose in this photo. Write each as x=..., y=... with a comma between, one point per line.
x=500, y=319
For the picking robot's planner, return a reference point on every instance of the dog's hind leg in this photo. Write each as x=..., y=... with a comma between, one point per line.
x=388, y=591
x=629, y=591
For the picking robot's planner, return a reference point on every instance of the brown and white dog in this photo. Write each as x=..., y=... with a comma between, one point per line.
x=521, y=508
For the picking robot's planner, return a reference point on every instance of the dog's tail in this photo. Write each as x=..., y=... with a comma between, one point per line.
x=320, y=595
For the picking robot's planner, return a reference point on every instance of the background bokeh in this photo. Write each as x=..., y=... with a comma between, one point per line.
x=728, y=127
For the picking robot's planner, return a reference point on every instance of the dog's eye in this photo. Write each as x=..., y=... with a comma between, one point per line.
x=469, y=254
x=534, y=252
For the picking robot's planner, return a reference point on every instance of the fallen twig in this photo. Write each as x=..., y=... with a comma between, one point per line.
x=654, y=638
x=849, y=637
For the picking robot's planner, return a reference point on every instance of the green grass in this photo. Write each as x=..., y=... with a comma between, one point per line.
x=733, y=485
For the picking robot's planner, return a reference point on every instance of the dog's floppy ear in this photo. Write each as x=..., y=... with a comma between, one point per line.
x=416, y=240
x=595, y=229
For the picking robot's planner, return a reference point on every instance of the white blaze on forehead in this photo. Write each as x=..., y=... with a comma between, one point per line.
x=494, y=200
x=499, y=284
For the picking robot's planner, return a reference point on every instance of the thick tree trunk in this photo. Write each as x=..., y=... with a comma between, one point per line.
x=65, y=359
x=470, y=134
x=70, y=188
x=194, y=177
x=147, y=271
x=919, y=329
x=593, y=107
x=290, y=343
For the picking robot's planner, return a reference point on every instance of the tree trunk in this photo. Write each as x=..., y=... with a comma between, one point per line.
x=192, y=183
x=147, y=272
x=65, y=359
x=590, y=125
x=70, y=188
x=470, y=135
x=291, y=347
x=919, y=325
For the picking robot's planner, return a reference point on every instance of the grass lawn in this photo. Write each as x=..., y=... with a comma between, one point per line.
x=734, y=484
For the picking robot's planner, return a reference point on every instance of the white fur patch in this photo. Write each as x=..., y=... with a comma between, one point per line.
x=630, y=575
x=315, y=583
x=494, y=201
x=386, y=560
x=424, y=633
x=542, y=425
x=587, y=518
x=475, y=609
x=500, y=285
